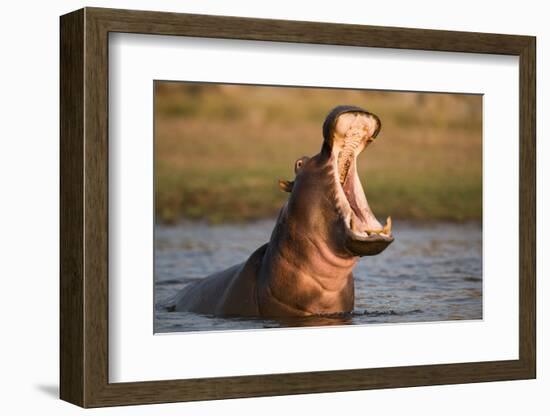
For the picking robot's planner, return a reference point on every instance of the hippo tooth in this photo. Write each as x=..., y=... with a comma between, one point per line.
x=374, y=231
x=387, y=227
x=362, y=234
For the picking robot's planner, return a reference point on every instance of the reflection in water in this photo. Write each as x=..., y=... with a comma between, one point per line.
x=342, y=319
x=432, y=272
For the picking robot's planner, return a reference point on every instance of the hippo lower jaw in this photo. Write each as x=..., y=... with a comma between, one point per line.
x=364, y=235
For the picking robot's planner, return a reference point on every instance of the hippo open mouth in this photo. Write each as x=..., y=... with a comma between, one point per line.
x=352, y=131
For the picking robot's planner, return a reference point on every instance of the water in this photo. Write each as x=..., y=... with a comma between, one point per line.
x=432, y=272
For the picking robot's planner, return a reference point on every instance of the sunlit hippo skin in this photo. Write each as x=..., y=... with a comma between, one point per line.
x=321, y=232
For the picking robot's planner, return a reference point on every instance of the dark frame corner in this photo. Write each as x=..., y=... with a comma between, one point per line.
x=84, y=207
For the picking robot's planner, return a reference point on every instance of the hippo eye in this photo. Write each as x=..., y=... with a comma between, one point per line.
x=300, y=163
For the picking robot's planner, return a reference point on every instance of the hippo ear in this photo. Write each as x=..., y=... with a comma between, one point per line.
x=286, y=186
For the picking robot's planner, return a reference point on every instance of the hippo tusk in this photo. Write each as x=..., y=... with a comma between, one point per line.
x=387, y=227
x=386, y=231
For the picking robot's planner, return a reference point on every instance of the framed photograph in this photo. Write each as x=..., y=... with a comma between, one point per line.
x=254, y=207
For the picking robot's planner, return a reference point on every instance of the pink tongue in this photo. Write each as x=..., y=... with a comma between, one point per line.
x=364, y=218
x=349, y=190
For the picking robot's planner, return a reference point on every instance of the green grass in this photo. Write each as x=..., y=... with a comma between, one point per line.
x=221, y=150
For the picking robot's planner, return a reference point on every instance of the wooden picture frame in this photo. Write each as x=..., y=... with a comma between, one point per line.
x=84, y=207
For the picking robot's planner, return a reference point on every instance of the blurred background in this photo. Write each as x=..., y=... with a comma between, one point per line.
x=220, y=150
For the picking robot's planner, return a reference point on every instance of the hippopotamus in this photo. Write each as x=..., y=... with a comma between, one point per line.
x=321, y=231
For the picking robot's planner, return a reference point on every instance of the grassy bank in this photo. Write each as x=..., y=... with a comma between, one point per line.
x=219, y=150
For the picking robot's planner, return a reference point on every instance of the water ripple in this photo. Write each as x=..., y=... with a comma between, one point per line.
x=432, y=272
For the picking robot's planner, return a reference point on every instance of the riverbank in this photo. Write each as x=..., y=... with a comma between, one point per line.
x=219, y=152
